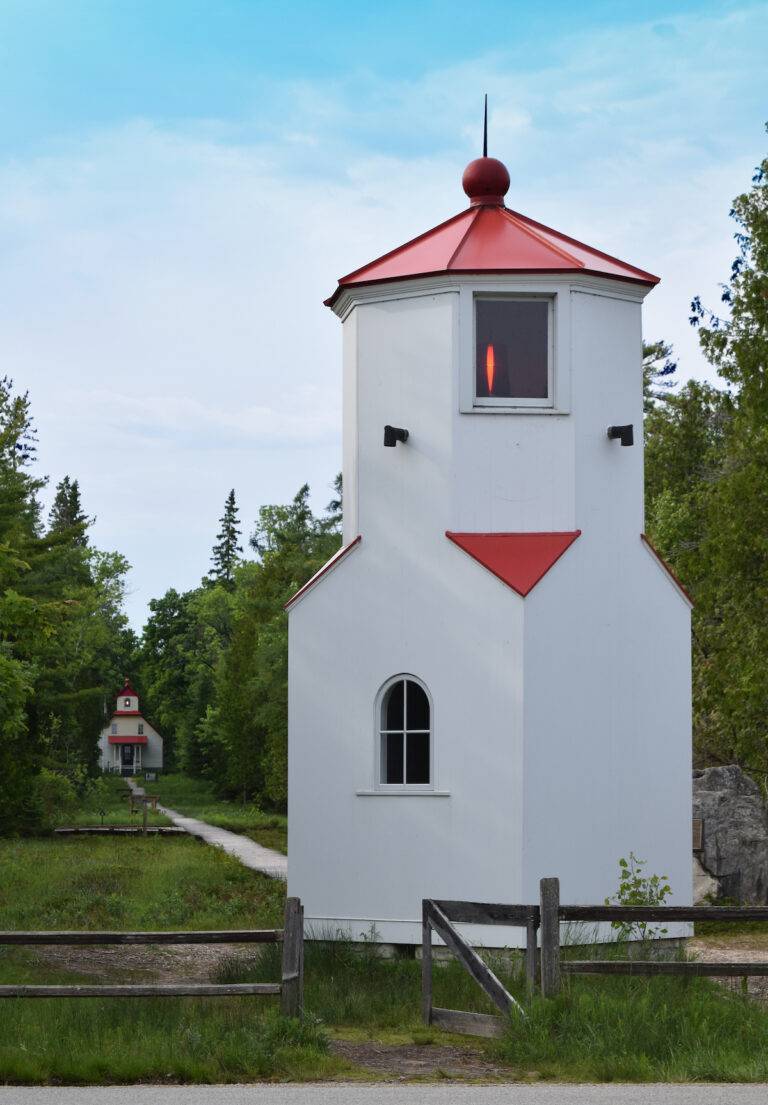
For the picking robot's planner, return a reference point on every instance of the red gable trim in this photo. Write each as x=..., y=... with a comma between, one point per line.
x=518, y=559
x=672, y=575
x=335, y=559
x=127, y=740
x=127, y=713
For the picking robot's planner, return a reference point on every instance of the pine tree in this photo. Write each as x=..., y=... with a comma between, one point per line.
x=67, y=511
x=227, y=550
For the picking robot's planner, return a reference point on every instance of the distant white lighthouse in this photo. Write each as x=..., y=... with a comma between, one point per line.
x=129, y=744
x=490, y=683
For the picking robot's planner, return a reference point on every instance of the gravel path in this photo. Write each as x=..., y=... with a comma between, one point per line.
x=749, y=948
x=250, y=854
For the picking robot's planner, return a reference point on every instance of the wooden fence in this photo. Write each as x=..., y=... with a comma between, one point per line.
x=546, y=965
x=290, y=988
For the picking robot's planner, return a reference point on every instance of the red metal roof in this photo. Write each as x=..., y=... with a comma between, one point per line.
x=518, y=559
x=128, y=740
x=490, y=238
x=337, y=556
x=672, y=574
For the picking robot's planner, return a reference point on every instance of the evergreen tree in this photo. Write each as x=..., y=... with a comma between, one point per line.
x=67, y=511
x=227, y=550
x=658, y=368
x=63, y=638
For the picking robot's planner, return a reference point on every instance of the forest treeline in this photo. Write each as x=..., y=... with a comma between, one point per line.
x=211, y=663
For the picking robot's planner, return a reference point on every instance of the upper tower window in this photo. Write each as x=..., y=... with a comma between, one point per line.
x=127, y=702
x=513, y=351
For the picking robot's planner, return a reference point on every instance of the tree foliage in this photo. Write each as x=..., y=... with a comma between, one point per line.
x=64, y=640
x=707, y=500
x=214, y=661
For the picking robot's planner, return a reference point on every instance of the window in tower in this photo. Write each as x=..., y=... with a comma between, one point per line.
x=127, y=702
x=513, y=351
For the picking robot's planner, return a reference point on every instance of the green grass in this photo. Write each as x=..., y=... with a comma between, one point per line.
x=599, y=1029
x=157, y=1040
x=131, y=883
x=138, y=883
x=348, y=986
x=108, y=804
x=197, y=798
x=641, y=1030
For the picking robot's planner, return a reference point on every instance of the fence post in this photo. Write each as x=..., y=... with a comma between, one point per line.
x=292, y=993
x=530, y=955
x=426, y=965
x=144, y=817
x=549, y=891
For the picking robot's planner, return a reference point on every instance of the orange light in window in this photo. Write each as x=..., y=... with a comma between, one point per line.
x=490, y=368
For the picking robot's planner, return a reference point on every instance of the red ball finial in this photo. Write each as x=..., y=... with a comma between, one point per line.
x=486, y=181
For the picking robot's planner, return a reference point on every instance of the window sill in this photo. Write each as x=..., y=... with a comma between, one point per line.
x=403, y=793
x=513, y=410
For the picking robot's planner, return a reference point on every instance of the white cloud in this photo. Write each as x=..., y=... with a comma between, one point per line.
x=161, y=288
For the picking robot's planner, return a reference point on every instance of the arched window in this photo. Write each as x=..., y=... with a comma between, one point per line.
x=405, y=733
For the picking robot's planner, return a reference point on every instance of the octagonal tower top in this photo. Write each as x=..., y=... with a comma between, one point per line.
x=488, y=237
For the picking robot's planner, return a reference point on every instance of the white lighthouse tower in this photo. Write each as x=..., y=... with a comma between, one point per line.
x=490, y=683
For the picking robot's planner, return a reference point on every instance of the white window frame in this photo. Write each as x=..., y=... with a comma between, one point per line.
x=113, y=729
x=403, y=788
x=559, y=296
x=141, y=728
x=511, y=400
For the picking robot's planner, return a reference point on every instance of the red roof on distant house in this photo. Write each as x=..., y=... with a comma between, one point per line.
x=128, y=740
x=490, y=238
x=518, y=559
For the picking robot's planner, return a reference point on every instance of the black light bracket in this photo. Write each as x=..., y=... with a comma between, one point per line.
x=393, y=434
x=625, y=434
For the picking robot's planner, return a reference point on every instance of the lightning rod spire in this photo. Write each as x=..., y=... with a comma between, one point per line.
x=485, y=127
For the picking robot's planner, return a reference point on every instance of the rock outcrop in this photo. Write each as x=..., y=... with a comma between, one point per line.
x=735, y=832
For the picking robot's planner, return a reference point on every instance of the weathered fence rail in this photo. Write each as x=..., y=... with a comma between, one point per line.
x=121, y=830
x=437, y=916
x=547, y=965
x=290, y=988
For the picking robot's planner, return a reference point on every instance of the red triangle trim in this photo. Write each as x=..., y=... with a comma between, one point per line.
x=518, y=559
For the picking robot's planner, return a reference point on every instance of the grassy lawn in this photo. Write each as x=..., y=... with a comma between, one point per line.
x=140, y=883
x=196, y=798
x=109, y=805
x=599, y=1029
x=132, y=883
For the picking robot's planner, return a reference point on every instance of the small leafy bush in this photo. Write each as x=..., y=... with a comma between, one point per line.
x=637, y=888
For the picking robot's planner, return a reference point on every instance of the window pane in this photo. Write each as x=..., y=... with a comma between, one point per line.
x=394, y=707
x=512, y=349
x=392, y=757
x=417, y=766
x=417, y=706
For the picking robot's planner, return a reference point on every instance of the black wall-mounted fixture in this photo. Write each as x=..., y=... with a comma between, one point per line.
x=393, y=434
x=625, y=434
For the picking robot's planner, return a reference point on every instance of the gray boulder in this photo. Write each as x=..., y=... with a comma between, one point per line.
x=735, y=832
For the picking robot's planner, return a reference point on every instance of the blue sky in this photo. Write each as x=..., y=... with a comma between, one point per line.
x=181, y=184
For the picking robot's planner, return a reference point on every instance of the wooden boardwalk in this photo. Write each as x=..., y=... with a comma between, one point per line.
x=253, y=855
